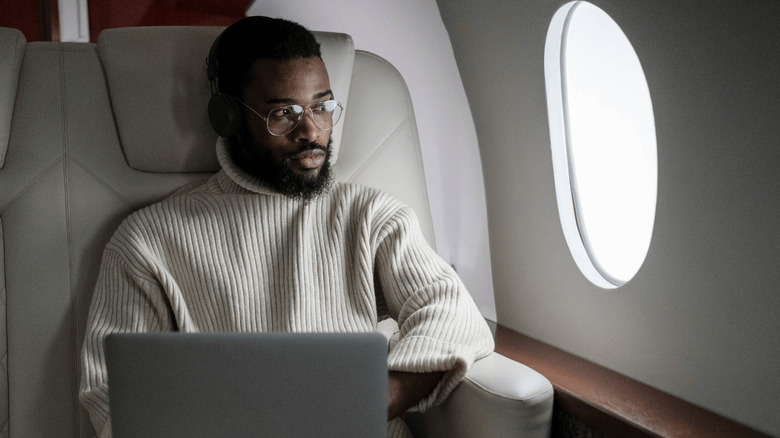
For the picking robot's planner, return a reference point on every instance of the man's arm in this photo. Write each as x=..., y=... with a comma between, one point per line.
x=440, y=327
x=406, y=389
x=121, y=302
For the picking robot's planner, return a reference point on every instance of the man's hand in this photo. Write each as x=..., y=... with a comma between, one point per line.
x=406, y=389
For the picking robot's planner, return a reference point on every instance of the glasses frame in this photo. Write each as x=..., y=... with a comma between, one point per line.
x=300, y=115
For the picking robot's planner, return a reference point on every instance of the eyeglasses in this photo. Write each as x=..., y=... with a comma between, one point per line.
x=283, y=120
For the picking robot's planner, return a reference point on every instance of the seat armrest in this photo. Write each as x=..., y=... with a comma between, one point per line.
x=498, y=398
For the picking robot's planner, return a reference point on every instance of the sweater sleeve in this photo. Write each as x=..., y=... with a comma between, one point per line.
x=124, y=300
x=441, y=328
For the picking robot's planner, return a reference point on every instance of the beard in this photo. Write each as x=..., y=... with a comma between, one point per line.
x=256, y=159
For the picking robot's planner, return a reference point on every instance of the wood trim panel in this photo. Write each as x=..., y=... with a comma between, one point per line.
x=612, y=403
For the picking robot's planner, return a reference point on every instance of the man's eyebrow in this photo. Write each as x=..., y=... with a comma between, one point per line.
x=326, y=93
x=323, y=94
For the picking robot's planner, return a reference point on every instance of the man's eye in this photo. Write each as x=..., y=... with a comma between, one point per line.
x=287, y=111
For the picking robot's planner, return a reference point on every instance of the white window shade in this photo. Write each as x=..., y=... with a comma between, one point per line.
x=603, y=143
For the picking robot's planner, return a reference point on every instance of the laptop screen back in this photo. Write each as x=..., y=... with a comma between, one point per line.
x=242, y=385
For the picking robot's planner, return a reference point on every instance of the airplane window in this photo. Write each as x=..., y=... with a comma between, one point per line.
x=603, y=142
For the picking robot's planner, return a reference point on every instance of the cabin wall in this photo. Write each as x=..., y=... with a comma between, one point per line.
x=700, y=319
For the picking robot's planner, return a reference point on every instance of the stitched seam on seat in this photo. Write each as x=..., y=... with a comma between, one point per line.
x=100, y=180
x=531, y=399
x=376, y=152
x=68, y=230
x=32, y=182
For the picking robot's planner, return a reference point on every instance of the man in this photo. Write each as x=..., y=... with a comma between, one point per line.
x=271, y=243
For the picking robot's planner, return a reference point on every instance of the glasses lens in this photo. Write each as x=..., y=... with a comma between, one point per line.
x=284, y=119
x=326, y=114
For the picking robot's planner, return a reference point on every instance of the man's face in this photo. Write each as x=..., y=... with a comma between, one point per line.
x=295, y=163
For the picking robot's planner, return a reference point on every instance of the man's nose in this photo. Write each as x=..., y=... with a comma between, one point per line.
x=306, y=131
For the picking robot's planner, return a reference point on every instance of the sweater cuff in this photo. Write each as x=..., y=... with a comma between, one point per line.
x=96, y=403
x=418, y=354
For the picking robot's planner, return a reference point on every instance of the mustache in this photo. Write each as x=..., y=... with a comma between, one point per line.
x=312, y=146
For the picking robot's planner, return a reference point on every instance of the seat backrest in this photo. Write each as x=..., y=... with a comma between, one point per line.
x=91, y=132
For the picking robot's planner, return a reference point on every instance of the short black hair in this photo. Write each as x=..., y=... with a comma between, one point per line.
x=253, y=38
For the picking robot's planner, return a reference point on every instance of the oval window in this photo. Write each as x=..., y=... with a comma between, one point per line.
x=602, y=133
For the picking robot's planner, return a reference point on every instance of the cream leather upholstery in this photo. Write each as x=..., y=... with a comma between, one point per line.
x=91, y=132
x=12, y=44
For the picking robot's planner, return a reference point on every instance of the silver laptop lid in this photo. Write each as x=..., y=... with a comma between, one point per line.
x=247, y=385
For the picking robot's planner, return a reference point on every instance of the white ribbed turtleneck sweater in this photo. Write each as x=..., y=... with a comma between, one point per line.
x=232, y=255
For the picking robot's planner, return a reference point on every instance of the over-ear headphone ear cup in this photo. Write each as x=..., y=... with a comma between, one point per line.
x=225, y=114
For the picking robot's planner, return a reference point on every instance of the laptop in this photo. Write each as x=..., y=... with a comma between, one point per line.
x=247, y=385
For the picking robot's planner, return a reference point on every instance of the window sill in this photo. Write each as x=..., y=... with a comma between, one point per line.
x=611, y=403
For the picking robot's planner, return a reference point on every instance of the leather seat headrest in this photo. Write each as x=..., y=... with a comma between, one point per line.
x=159, y=93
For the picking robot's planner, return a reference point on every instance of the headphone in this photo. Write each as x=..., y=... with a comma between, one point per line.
x=225, y=113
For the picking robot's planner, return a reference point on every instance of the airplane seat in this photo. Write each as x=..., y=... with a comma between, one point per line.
x=91, y=132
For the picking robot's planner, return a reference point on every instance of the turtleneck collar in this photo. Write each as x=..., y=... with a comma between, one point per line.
x=234, y=179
